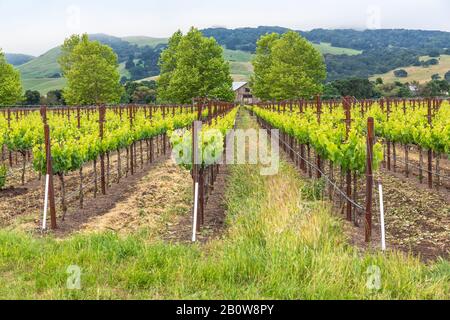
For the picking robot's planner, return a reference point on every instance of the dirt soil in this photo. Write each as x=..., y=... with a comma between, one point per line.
x=157, y=199
x=215, y=215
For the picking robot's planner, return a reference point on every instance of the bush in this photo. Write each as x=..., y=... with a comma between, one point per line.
x=401, y=73
x=447, y=76
x=436, y=76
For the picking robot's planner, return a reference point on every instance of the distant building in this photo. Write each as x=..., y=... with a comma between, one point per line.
x=243, y=93
x=413, y=88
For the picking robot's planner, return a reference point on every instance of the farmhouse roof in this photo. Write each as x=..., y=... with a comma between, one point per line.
x=238, y=85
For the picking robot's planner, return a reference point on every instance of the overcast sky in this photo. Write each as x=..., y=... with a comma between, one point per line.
x=33, y=27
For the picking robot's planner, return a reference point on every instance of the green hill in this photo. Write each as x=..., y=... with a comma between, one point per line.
x=44, y=66
x=418, y=73
x=142, y=41
x=44, y=74
x=17, y=59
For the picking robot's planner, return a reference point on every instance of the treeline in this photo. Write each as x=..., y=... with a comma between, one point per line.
x=365, y=89
x=140, y=62
x=383, y=50
x=143, y=92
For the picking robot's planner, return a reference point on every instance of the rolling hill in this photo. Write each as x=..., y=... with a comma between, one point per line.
x=17, y=59
x=348, y=53
x=143, y=41
x=419, y=73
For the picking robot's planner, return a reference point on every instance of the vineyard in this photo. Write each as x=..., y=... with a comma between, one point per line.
x=345, y=144
x=335, y=156
x=80, y=140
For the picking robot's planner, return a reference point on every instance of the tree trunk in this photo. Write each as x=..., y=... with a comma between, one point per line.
x=127, y=168
x=81, y=188
x=438, y=170
x=420, y=165
x=142, y=153
x=63, y=195
x=95, y=179
x=108, y=168
x=395, y=156
x=119, y=165
x=24, y=163
x=406, y=160
x=330, y=186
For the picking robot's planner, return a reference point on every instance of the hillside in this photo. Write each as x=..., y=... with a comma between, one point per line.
x=419, y=73
x=378, y=51
x=17, y=59
x=347, y=53
x=44, y=74
x=143, y=41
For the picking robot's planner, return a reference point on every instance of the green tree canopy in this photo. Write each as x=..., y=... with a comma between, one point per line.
x=193, y=66
x=91, y=69
x=10, y=84
x=32, y=97
x=287, y=67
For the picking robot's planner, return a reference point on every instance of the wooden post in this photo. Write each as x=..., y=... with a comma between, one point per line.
x=130, y=114
x=430, y=152
x=319, y=113
x=348, y=120
x=49, y=171
x=101, y=121
x=196, y=130
x=369, y=178
x=388, y=111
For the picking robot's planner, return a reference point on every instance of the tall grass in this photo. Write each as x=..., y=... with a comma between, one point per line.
x=278, y=246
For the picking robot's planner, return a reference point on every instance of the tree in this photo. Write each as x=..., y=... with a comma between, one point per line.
x=10, y=84
x=436, y=76
x=330, y=92
x=401, y=73
x=435, y=88
x=434, y=54
x=262, y=63
x=379, y=81
x=359, y=88
x=447, y=76
x=91, y=70
x=55, y=97
x=139, y=92
x=32, y=98
x=287, y=67
x=193, y=66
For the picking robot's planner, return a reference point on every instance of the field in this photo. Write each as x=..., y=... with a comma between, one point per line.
x=43, y=85
x=419, y=74
x=286, y=244
x=277, y=236
x=327, y=48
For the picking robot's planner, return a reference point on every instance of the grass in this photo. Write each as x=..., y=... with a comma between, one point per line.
x=143, y=41
x=278, y=247
x=419, y=74
x=44, y=66
x=327, y=48
x=44, y=85
x=37, y=74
